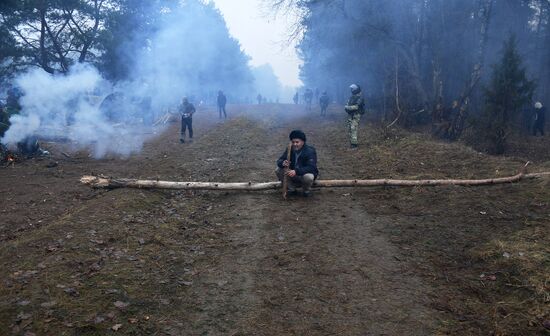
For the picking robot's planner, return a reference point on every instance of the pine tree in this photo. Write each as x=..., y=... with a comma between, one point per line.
x=509, y=90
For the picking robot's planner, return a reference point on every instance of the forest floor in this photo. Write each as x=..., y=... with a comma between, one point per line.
x=371, y=261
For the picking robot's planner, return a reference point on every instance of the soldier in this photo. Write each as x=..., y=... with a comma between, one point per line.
x=259, y=98
x=302, y=167
x=540, y=119
x=222, y=100
x=355, y=109
x=324, y=100
x=186, y=109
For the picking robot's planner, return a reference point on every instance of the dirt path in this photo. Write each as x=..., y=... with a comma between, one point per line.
x=306, y=266
x=374, y=261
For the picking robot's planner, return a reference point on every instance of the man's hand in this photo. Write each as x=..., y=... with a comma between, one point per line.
x=286, y=163
x=291, y=173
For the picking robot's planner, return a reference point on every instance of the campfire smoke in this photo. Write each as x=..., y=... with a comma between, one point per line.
x=66, y=106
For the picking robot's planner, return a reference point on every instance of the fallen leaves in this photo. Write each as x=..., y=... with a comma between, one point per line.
x=116, y=327
x=490, y=277
x=121, y=305
x=49, y=304
x=22, y=316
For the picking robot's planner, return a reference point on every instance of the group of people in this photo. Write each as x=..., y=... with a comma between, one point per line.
x=301, y=169
x=324, y=100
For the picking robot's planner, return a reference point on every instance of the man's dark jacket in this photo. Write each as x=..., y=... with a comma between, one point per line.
x=307, y=161
x=324, y=100
x=540, y=116
x=222, y=100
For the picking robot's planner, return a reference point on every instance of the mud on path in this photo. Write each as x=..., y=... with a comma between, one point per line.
x=379, y=261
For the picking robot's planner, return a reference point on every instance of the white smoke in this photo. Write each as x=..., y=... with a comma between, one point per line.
x=67, y=106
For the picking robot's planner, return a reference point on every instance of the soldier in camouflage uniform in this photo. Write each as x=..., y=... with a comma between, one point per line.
x=355, y=109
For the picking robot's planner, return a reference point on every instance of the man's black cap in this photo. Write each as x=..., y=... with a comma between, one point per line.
x=297, y=134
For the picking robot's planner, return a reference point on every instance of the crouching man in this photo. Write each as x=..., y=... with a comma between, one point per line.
x=302, y=167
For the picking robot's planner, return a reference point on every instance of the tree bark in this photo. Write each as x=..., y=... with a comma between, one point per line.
x=112, y=183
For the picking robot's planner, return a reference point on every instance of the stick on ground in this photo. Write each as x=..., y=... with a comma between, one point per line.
x=112, y=183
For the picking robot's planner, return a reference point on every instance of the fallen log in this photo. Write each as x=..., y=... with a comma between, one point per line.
x=113, y=183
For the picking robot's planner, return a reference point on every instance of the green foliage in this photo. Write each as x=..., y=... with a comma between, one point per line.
x=508, y=91
x=52, y=34
x=125, y=40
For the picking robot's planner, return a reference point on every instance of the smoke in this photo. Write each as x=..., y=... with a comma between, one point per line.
x=192, y=54
x=67, y=107
x=187, y=51
x=267, y=83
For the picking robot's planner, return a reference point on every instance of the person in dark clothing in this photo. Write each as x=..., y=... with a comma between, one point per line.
x=324, y=100
x=296, y=98
x=222, y=100
x=308, y=97
x=540, y=119
x=302, y=167
x=259, y=98
x=186, y=110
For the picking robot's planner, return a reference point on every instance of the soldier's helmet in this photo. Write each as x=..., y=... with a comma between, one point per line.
x=538, y=105
x=355, y=89
x=185, y=100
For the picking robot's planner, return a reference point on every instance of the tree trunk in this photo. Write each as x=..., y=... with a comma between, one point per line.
x=111, y=183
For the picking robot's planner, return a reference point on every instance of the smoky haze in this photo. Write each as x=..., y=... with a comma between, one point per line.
x=188, y=52
x=430, y=50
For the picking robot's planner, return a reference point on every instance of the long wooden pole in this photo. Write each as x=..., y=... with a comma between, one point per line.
x=112, y=183
x=285, y=177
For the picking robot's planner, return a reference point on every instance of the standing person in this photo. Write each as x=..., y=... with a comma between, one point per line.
x=324, y=100
x=222, y=100
x=296, y=98
x=540, y=119
x=355, y=109
x=259, y=98
x=308, y=97
x=302, y=167
x=186, y=110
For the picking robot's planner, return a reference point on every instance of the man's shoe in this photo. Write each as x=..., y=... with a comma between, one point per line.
x=292, y=193
x=353, y=146
x=307, y=194
x=191, y=140
x=182, y=140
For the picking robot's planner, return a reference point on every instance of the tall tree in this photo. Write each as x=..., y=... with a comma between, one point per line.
x=414, y=57
x=509, y=90
x=54, y=34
